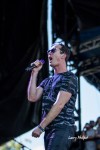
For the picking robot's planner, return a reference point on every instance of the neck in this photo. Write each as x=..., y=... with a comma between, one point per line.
x=60, y=69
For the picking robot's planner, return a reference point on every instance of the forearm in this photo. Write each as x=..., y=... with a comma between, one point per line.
x=32, y=87
x=53, y=113
x=62, y=98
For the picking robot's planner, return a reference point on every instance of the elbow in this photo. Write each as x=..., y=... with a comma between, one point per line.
x=31, y=99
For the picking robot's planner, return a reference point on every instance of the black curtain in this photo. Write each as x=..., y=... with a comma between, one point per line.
x=23, y=40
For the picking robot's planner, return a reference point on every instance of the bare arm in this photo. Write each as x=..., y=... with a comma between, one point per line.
x=33, y=92
x=62, y=98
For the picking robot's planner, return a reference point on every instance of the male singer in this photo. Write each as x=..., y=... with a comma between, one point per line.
x=58, y=103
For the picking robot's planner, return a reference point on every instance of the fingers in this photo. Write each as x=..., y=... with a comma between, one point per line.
x=36, y=66
x=38, y=63
x=35, y=134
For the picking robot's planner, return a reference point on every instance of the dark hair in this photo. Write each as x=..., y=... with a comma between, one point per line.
x=64, y=49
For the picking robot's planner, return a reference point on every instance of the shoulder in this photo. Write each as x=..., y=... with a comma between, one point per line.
x=45, y=81
x=69, y=75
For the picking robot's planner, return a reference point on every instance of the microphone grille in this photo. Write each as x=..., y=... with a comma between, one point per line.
x=42, y=61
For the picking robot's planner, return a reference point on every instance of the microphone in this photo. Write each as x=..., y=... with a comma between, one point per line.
x=32, y=65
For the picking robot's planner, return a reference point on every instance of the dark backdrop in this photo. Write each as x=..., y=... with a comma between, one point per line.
x=23, y=40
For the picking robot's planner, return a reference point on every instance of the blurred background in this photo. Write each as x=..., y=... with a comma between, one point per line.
x=28, y=29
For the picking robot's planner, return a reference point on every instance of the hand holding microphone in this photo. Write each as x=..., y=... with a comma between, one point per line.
x=37, y=65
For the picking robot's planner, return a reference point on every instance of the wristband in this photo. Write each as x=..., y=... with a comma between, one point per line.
x=41, y=128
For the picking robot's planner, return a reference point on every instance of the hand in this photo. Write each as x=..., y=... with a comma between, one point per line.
x=38, y=64
x=36, y=132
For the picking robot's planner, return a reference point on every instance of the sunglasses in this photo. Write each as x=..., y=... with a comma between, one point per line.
x=52, y=50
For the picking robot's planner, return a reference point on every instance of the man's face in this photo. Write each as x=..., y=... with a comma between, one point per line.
x=54, y=56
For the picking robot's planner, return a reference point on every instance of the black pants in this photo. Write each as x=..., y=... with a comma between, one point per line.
x=59, y=138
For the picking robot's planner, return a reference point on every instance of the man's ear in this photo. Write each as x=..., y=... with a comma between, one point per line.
x=63, y=56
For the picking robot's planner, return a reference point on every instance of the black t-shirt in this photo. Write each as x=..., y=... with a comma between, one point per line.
x=66, y=81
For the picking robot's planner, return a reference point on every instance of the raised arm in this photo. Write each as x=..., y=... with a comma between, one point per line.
x=33, y=92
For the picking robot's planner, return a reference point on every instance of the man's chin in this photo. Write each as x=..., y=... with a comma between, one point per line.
x=51, y=64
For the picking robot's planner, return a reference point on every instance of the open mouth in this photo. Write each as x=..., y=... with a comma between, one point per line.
x=50, y=58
